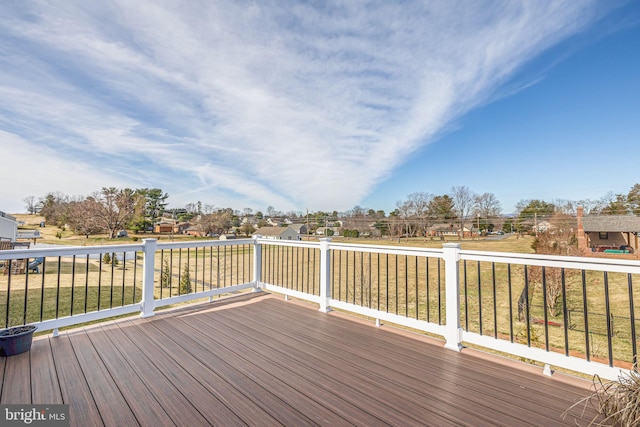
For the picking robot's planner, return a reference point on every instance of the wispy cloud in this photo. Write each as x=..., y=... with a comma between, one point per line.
x=235, y=103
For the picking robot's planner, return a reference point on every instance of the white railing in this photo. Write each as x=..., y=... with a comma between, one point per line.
x=465, y=297
x=616, y=347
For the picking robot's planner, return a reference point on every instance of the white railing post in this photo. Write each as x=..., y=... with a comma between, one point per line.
x=257, y=264
x=147, y=305
x=453, y=333
x=325, y=274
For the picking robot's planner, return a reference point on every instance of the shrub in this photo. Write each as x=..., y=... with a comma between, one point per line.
x=106, y=259
x=618, y=401
x=165, y=275
x=185, y=281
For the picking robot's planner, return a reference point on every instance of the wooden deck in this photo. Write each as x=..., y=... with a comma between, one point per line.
x=258, y=360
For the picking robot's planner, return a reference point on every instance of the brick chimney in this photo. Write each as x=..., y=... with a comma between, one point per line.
x=582, y=239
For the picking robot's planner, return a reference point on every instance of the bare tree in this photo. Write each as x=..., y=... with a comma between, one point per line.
x=558, y=239
x=487, y=208
x=222, y=220
x=114, y=208
x=406, y=211
x=463, y=204
x=487, y=205
x=82, y=218
x=395, y=225
x=30, y=204
x=420, y=202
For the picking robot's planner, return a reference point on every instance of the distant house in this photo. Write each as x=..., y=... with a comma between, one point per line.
x=195, y=230
x=277, y=233
x=300, y=228
x=600, y=233
x=443, y=230
x=8, y=227
x=452, y=229
x=273, y=222
x=324, y=231
x=171, y=227
x=248, y=219
x=163, y=227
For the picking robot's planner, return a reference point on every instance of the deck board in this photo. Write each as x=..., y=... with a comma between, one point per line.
x=174, y=403
x=510, y=391
x=73, y=385
x=2, y=366
x=146, y=409
x=374, y=376
x=170, y=366
x=20, y=384
x=112, y=405
x=45, y=388
x=272, y=379
x=258, y=360
x=201, y=364
x=353, y=386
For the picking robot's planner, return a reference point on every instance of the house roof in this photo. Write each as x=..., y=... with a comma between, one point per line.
x=611, y=223
x=297, y=227
x=443, y=227
x=271, y=231
x=8, y=217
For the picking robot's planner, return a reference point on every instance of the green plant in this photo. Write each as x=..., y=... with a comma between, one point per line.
x=185, y=281
x=534, y=334
x=106, y=258
x=59, y=234
x=115, y=260
x=165, y=275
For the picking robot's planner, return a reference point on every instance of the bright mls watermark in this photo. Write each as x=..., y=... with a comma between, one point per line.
x=34, y=415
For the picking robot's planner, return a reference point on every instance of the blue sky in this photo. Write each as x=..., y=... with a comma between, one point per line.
x=286, y=104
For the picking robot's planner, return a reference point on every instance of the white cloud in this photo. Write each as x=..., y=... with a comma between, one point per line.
x=285, y=104
x=35, y=170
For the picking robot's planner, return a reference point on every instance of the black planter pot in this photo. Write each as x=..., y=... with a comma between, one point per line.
x=16, y=340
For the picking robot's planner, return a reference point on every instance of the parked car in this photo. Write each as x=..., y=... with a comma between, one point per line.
x=122, y=233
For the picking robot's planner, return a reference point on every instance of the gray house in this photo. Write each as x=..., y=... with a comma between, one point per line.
x=277, y=233
x=8, y=227
x=300, y=228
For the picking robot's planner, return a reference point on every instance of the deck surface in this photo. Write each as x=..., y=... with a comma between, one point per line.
x=260, y=361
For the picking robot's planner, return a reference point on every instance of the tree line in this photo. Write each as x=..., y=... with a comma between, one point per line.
x=138, y=210
x=109, y=210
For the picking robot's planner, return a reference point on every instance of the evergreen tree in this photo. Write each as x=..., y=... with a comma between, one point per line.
x=185, y=281
x=165, y=275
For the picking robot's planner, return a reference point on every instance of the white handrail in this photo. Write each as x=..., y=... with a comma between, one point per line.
x=450, y=254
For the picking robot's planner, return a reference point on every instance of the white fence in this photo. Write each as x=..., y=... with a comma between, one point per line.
x=569, y=312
